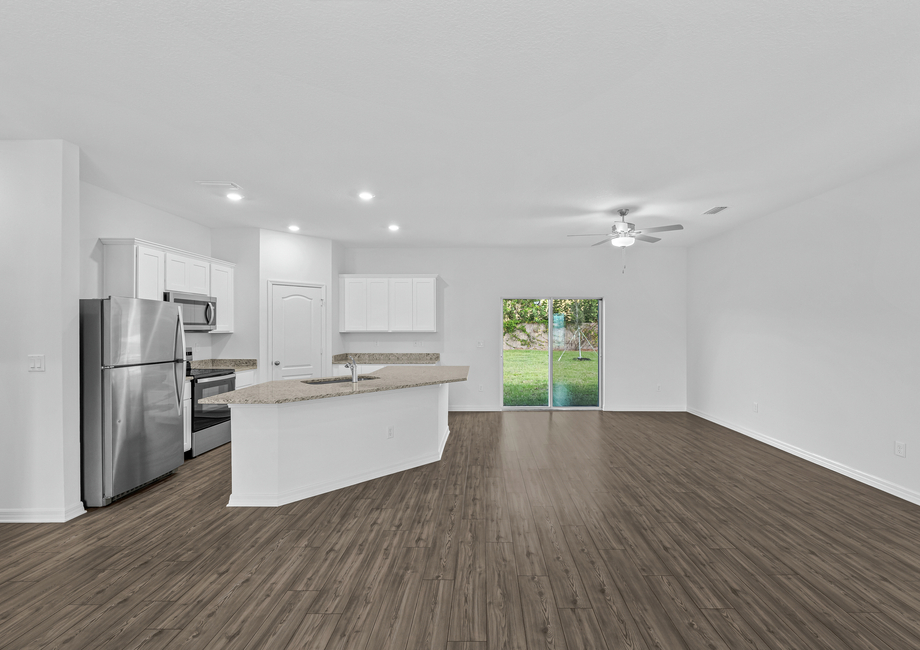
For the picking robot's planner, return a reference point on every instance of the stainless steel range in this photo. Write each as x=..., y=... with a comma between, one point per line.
x=210, y=422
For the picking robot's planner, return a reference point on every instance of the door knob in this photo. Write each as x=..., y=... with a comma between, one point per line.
x=277, y=363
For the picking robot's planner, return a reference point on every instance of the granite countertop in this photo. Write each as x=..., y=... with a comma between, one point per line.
x=235, y=364
x=294, y=390
x=383, y=358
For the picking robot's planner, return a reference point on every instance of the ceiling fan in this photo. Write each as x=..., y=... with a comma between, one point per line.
x=624, y=233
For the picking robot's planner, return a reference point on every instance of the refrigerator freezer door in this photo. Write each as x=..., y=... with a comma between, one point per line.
x=140, y=331
x=145, y=417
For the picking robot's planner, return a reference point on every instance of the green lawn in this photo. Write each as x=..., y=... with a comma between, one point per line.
x=526, y=379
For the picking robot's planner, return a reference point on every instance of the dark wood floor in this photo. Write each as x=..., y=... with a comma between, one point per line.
x=536, y=530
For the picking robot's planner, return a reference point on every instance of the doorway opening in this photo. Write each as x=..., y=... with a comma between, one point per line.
x=551, y=353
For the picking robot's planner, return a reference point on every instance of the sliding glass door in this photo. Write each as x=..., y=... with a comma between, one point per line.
x=551, y=353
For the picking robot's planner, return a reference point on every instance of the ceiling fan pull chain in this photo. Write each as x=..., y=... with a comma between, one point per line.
x=624, y=260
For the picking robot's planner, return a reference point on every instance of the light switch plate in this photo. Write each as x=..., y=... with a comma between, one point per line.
x=36, y=363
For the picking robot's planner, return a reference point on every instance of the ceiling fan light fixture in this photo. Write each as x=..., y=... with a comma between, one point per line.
x=620, y=242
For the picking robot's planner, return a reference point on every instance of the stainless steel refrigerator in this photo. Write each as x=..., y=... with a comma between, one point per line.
x=132, y=356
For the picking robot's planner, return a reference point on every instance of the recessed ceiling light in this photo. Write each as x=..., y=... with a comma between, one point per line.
x=234, y=196
x=394, y=227
x=365, y=196
x=293, y=228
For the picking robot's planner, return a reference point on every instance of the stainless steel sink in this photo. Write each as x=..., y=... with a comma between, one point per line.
x=338, y=380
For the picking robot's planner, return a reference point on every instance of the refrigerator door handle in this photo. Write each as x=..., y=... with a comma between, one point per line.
x=180, y=361
x=108, y=433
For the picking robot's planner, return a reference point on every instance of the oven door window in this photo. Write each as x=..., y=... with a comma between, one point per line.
x=206, y=415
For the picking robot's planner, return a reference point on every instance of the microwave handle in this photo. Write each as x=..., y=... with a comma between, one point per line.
x=209, y=314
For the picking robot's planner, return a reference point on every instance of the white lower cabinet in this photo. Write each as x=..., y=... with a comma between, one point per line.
x=187, y=416
x=245, y=378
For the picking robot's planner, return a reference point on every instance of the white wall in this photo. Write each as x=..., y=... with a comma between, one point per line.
x=813, y=312
x=39, y=261
x=293, y=258
x=646, y=306
x=242, y=246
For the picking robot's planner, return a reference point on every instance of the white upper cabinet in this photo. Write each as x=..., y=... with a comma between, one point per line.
x=135, y=268
x=187, y=274
x=378, y=319
x=151, y=265
x=222, y=289
x=424, y=292
x=354, y=305
x=401, y=304
x=378, y=303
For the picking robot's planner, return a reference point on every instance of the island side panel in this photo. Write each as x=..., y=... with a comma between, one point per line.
x=326, y=444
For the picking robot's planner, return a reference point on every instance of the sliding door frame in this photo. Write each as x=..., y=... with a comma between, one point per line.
x=601, y=344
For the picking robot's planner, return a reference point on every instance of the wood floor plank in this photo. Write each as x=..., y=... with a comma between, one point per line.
x=610, y=609
x=431, y=621
x=468, y=620
x=567, y=585
x=542, y=626
x=503, y=602
x=581, y=630
x=686, y=616
x=528, y=554
x=655, y=626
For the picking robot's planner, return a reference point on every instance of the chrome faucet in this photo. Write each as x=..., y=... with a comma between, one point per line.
x=354, y=369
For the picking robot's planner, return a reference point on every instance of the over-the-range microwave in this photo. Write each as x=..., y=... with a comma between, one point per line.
x=199, y=312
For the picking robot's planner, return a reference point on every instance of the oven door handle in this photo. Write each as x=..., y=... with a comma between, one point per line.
x=220, y=378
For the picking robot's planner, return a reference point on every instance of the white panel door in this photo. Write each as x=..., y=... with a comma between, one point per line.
x=151, y=273
x=222, y=290
x=354, y=299
x=199, y=277
x=177, y=272
x=423, y=304
x=378, y=304
x=296, y=344
x=400, y=304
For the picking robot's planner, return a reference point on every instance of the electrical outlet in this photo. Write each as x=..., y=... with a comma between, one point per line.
x=756, y=407
x=391, y=432
x=36, y=363
x=900, y=449
x=659, y=388
x=480, y=388
x=478, y=344
x=415, y=343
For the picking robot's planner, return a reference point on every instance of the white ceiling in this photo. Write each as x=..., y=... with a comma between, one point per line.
x=475, y=123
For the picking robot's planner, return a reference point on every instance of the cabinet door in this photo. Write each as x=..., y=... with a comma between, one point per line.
x=424, y=305
x=151, y=273
x=199, y=277
x=354, y=302
x=222, y=289
x=245, y=378
x=177, y=272
x=378, y=304
x=400, y=304
x=187, y=274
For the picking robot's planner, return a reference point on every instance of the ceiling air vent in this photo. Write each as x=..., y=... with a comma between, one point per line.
x=716, y=209
x=227, y=184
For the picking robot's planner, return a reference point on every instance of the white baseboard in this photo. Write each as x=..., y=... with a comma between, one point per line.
x=483, y=409
x=443, y=443
x=654, y=407
x=855, y=474
x=282, y=498
x=41, y=515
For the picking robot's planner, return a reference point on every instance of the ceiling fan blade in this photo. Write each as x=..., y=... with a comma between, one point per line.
x=676, y=226
x=603, y=241
x=650, y=240
x=598, y=234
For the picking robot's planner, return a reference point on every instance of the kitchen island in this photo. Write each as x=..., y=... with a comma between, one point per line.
x=293, y=440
